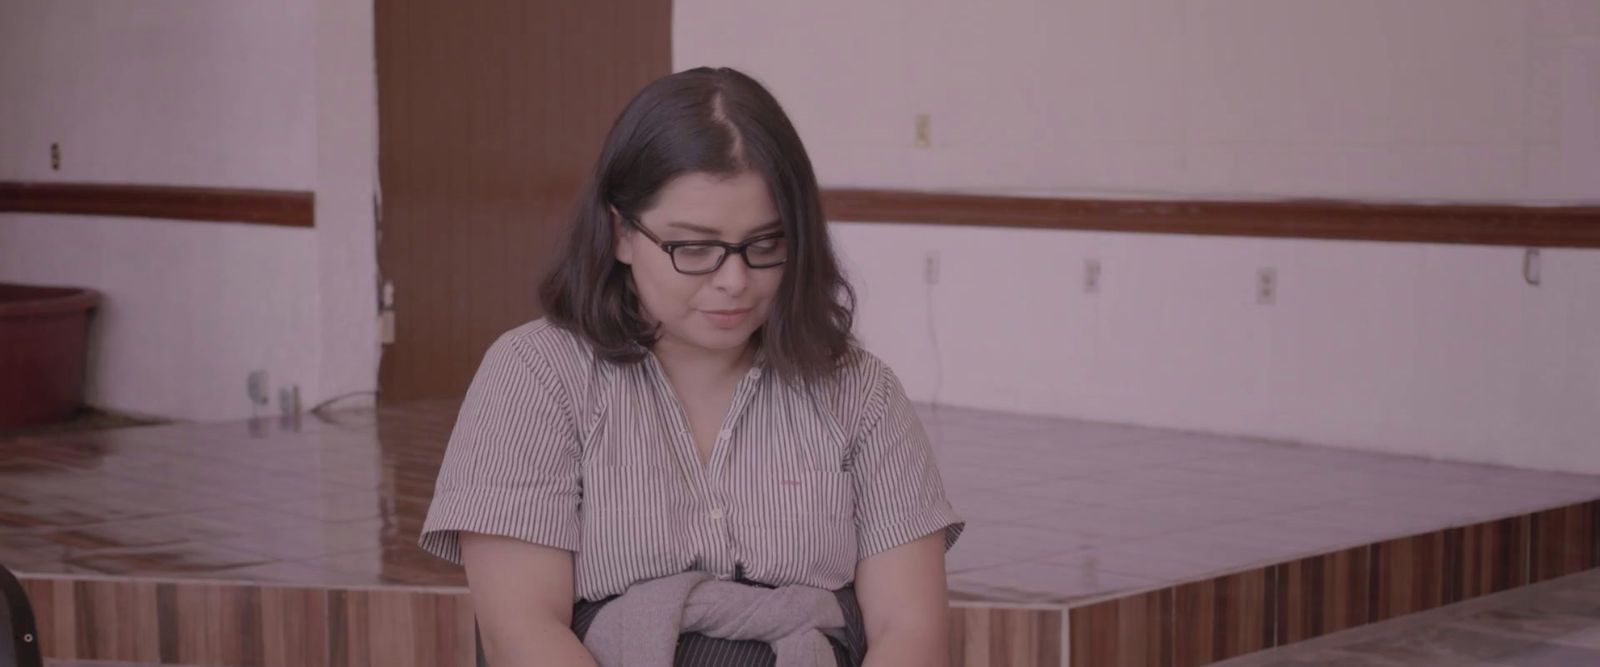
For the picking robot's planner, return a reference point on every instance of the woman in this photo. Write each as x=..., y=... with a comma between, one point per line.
x=693, y=402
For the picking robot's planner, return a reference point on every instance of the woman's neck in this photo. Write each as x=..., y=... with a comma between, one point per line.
x=699, y=366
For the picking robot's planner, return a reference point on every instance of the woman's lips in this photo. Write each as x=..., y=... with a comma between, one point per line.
x=726, y=319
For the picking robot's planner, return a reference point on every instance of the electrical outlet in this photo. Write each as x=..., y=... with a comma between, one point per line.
x=1091, y=276
x=930, y=267
x=255, y=386
x=924, y=137
x=55, y=157
x=1267, y=286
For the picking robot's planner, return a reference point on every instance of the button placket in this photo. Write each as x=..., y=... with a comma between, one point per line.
x=742, y=397
x=716, y=541
x=714, y=531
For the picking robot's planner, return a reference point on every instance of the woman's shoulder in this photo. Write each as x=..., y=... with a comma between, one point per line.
x=860, y=371
x=858, y=387
x=546, y=342
x=543, y=348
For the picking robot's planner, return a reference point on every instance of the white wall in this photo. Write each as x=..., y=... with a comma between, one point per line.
x=1434, y=350
x=230, y=94
x=347, y=183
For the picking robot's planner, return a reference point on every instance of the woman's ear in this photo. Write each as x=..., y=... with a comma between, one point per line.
x=621, y=237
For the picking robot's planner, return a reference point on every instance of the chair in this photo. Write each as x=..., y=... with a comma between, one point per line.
x=19, y=637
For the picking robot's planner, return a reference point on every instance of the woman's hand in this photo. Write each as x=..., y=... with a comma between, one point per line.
x=522, y=594
x=905, y=604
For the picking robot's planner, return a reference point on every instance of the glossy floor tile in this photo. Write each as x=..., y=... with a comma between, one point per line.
x=1060, y=511
x=336, y=501
x=1064, y=511
x=100, y=663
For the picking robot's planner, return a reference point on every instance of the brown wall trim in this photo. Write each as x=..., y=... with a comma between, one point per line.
x=1531, y=226
x=287, y=208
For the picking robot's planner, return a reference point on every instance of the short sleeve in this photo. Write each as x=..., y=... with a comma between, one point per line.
x=899, y=494
x=512, y=465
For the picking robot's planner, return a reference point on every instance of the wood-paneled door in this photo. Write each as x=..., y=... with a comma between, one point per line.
x=490, y=115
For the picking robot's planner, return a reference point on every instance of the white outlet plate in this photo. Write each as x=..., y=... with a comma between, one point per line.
x=1267, y=286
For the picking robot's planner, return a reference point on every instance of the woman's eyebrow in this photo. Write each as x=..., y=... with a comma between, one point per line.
x=700, y=229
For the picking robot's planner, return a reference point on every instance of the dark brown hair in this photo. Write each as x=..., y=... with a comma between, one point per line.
x=717, y=121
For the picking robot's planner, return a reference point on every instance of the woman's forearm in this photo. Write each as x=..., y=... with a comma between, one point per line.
x=544, y=644
x=897, y=650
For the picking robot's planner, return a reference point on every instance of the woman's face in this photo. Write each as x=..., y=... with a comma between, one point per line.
x=717, y=311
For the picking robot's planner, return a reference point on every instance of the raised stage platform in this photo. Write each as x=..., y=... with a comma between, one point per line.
x=274, y=542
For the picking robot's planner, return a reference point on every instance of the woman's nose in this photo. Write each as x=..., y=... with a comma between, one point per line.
x=732, y=276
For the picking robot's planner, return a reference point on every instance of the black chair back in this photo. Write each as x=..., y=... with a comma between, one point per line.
x=19, y=636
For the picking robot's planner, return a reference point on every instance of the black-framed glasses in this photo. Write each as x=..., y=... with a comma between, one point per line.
x=697, y=258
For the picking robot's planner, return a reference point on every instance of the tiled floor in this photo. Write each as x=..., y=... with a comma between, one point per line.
x=310, y=501
x=1059, y=511
x=1062, y=511
x=1551, y=624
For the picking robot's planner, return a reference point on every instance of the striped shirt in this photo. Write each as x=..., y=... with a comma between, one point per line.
x=557, y=447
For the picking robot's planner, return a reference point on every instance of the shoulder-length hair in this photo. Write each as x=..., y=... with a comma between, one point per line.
x=722, y=122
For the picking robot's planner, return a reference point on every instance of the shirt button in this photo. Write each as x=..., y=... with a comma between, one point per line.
x=755, y=373
x=725, y=434
x=716, y=513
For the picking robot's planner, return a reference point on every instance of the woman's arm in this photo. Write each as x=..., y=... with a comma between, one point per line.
x=905, y=604
x=522, y=593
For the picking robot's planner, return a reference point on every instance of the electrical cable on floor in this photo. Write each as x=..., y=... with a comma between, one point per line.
x=938, y=357
x=325, y=404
